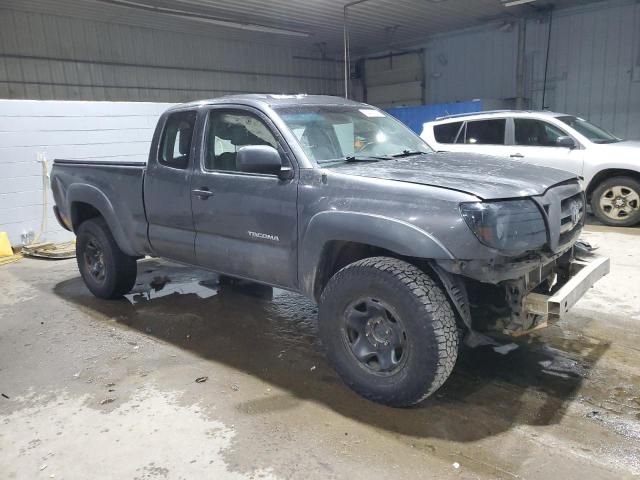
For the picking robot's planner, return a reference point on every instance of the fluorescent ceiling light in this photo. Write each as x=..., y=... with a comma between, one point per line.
x=254, y=27
x=513, y=3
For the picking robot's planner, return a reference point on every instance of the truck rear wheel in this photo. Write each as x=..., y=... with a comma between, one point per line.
x=389, y=330
x=106, y=270
x=616, y=202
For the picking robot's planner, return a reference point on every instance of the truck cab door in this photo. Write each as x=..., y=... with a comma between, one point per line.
x=167, y=189
x=246, y=223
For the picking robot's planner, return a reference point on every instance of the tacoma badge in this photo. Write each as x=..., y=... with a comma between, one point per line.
x=264, y=236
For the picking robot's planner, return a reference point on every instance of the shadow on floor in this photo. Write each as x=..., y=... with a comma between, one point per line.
x=271, y=335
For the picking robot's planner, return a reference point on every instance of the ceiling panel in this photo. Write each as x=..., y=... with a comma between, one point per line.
x=374, y=24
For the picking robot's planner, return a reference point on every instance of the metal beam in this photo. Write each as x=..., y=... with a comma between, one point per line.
x=347, y=55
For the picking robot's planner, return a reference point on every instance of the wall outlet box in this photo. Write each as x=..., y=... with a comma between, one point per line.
x=27, y=237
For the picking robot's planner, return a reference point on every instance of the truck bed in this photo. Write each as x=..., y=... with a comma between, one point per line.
x=115, y=186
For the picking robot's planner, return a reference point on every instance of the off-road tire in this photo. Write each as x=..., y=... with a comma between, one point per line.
x=602, y=188
x=120, y=270
x=425, y=312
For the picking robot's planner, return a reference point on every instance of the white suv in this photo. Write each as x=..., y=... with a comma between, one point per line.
x=608, y=166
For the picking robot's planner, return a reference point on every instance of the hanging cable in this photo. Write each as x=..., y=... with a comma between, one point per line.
x=546, y=61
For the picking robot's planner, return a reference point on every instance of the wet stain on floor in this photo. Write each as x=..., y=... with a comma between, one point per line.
x=264, y=332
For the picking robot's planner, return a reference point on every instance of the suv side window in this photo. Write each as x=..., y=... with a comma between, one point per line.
x=447, y=132
x=175, y=146
x=229, y=130
x=485, y=132
x=536, y=133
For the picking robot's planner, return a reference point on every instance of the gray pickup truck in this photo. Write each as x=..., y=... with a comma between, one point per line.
x=406, y=251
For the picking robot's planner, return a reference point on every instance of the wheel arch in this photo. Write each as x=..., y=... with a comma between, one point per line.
x=335, y=239
x=607, y=173
x=86, y=202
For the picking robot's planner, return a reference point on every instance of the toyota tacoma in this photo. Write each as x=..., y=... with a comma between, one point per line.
x=406, y=251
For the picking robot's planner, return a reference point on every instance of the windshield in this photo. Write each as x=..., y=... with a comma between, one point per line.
x=589, y=130
x=330, y=133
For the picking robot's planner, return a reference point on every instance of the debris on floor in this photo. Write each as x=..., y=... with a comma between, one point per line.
x=50, y=250
x=201, y=379
x=158, y=283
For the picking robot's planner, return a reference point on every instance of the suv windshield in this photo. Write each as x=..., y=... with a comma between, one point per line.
x=589, y=130
x=335, y=133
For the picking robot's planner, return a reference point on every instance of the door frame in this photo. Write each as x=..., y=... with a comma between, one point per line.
x=285, y=151
x=154, y=166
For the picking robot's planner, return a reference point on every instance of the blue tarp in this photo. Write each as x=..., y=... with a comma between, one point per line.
x=414, y=117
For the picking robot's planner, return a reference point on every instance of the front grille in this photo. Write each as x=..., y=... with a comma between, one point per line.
x=565, y=209
x=572, y=211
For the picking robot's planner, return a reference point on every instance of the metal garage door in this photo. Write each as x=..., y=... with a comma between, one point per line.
x=394, y=80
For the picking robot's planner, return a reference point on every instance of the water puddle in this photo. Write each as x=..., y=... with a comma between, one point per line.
x=160, y=287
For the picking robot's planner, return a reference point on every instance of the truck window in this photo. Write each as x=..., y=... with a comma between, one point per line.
x=536, y=133
x=447, y=132
x=175, y=146
x=485, y=132
x=229, y=130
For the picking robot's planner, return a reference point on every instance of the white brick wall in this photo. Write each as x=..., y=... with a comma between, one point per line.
x=61, y=129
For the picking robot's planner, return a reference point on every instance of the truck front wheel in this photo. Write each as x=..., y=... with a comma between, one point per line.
x=389, y=330
x=106, y=270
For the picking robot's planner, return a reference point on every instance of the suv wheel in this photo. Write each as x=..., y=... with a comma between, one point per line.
x=389, y=330
x=106, y=270
x=616, y=201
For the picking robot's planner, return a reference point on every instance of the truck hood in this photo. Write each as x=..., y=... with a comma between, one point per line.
x=484, y=176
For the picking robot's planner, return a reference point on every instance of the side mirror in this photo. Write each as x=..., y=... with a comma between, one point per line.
x=566, y=141
x=258, y=159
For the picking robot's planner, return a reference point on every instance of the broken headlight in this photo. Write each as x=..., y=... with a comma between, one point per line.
x=514, y=226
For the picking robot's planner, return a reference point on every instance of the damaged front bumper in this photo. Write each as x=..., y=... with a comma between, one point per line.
x=518, y=297
x=544, y=295
x=583, y=274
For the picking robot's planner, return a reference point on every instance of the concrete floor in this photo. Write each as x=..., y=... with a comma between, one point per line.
x=97, y=389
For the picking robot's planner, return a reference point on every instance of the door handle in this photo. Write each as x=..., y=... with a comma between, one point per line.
x=517, y=155
x=203, y=193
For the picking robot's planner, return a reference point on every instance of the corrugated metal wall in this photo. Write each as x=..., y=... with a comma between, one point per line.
x=54, y=57
x=473, y=64
x=594, y=65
